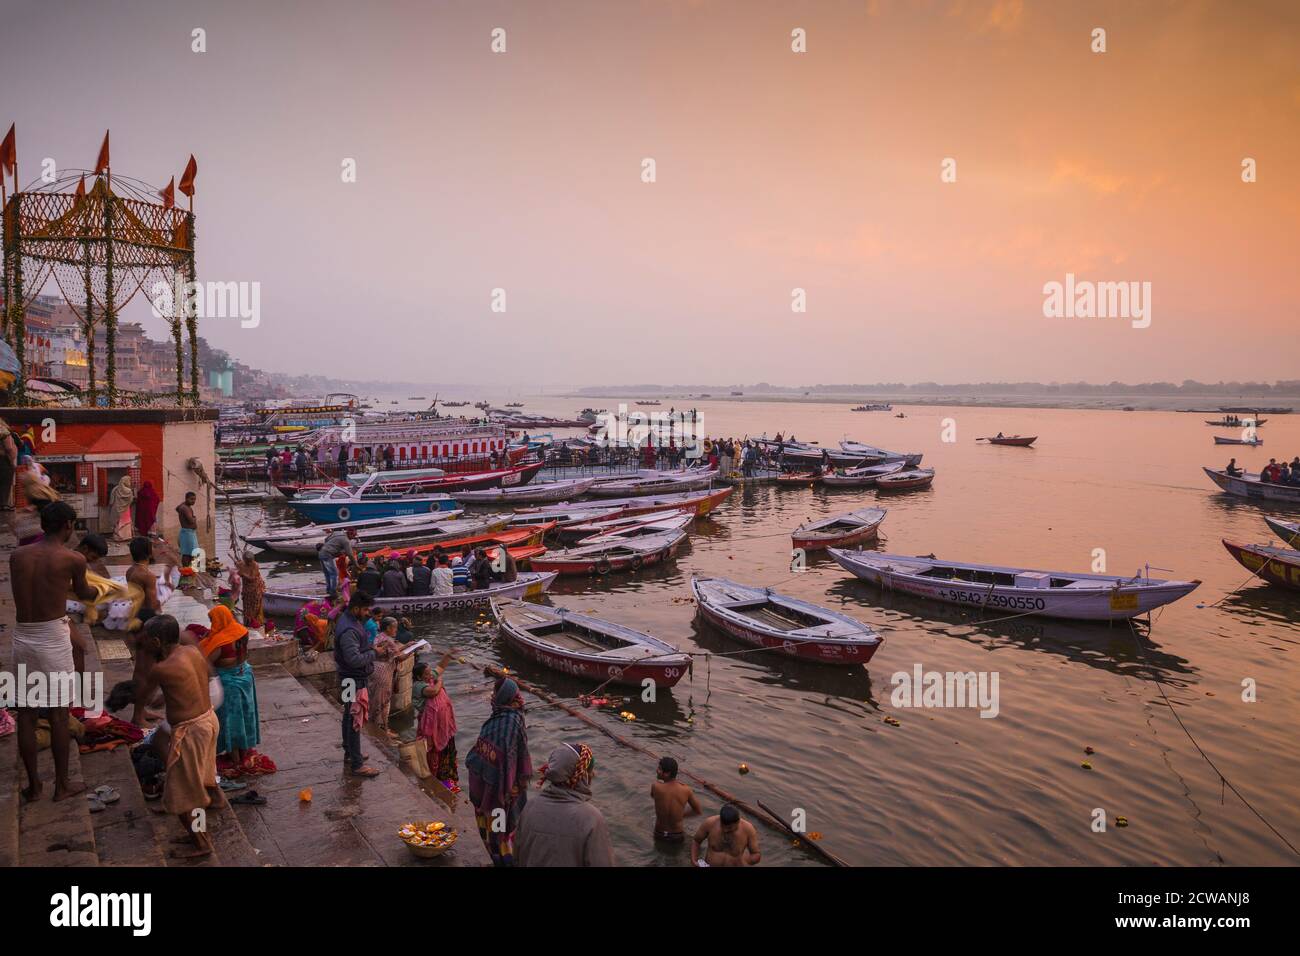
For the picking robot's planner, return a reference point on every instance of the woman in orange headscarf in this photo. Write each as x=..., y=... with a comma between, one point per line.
x=226, y=648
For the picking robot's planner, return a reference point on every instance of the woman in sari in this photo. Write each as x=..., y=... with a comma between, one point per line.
x=499, y=770
x=436, y=721
x=252, y=587
x=146, y=508
x=380, y=685
x=312, y=624
x=120, y=501
x=226, y=648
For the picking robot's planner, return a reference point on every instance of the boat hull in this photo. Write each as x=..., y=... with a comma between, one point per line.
x=530, y=584
x=602, y=564
x=1096, y=604
x=814, y=542
x=1274, y=565
x=327, y=511
x=1254, y=489
x=1016, y=442
x=1289, y=532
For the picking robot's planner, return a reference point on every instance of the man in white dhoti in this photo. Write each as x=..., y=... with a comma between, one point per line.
x=44, y=575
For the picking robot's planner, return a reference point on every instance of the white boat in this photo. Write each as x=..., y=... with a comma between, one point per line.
x=763, y=618
x=1288, y=531
x=611, y=554
x=286, y=602
x=911, y=458
x=1015, y=591
x=406, y=475
x=861, y=477
x=1252, y=442
x=855, y=527
x=640, y=526
x=1248, y=485
x=539, y=492
x=660, y=484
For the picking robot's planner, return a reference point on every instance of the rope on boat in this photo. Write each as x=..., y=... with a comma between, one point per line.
x=1223, y=781
x=765, y=816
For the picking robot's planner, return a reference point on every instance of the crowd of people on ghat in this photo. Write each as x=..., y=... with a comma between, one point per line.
x=1274, y=473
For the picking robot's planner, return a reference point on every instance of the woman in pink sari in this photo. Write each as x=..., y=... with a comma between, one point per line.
x=146, y=508
x=437, y=721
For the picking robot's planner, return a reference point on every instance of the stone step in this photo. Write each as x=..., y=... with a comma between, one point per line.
x=56, y=834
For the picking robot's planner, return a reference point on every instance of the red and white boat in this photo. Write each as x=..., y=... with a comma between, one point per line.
x=1019, y=441
x=611, y=554
x=529, y=536
x=908, y=480
x=640, y=526
x=1280, y=566
x=425, y=480
x=799, y=479
x=588, y=647
x=763, y=618
x=854, y=527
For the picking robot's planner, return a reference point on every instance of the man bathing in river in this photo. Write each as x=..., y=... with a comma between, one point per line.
x=182, y=673
x=729, y=840
x=42, y=574
x=674, y=801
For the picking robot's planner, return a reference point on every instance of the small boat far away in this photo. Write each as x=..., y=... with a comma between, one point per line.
x=1017, y=441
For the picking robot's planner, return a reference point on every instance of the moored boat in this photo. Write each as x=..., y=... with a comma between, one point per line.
x=1084, y=597
x=588, y=647
x=286, y=602
x=908, y=480
x=529, y=536
x=391, y=534
x=1253, y=442
x=1288, y=531
x=538, y=493
x=1279, y=566
x=910, y=458
x=639, y=526
x=763, y=618
x=799, y=479
x=853, y=527
x=659, y=485
x=861, y=477
x=1248, y=485
x=610, y=554
x=340, y=505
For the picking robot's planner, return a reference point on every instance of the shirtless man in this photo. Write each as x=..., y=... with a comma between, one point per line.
x=672, y=801
x=189, y=536
x=42, y=574
x=731, y=840
x=140, y=575
x=181, y=673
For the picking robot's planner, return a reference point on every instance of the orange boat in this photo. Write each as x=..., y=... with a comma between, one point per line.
x=529, y=536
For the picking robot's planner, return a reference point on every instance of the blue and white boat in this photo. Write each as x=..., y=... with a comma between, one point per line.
x=358, y=504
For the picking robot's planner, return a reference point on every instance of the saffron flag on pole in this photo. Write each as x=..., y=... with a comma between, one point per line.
x=169, y=193
x=9, y=154
x=102, y=163
x=81, y=186
x=186, y=185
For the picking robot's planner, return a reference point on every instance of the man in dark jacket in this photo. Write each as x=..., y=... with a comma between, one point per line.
x=368, y=577
x=394, y=581
x=355, y=660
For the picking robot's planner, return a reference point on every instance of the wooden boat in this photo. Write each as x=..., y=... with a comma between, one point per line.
x=588, y=647
x=510, y=537
x=763, y=618
x=806, y=457
x=670, y=484
x=799, y=479
x=854, y=527
x=562, y=518
x=1279, y=566
x=540, y=493
x=700, y=504
x=861, y=477
x=908, y=480
x=611, y=553
x=286, y=602
x=1288, y=531
x=240, y=496
x=340, y=504
x=1015, y=591
x=639, y=526
x=882, y=455
x=1238, y=423
x=392, y=537
x=1017, y=441
x=1248, y=485
x=413, y=523
x=1253, y=442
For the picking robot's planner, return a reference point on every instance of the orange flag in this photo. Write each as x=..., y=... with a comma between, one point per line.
x=102, y=163
x=81, y=186
x=186, y=185
x=169, y=194
x=9, y=153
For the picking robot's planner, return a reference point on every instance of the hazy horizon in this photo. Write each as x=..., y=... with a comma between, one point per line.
x=775, y=171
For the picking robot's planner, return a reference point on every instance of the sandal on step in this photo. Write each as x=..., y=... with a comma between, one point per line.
x=250, y=799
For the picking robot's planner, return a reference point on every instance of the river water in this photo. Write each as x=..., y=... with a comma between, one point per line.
x=946, y=786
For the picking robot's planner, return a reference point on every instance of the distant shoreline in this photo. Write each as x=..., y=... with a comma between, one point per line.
x=1208, y=404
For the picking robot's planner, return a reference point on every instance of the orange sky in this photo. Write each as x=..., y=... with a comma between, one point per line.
x=775, y=170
